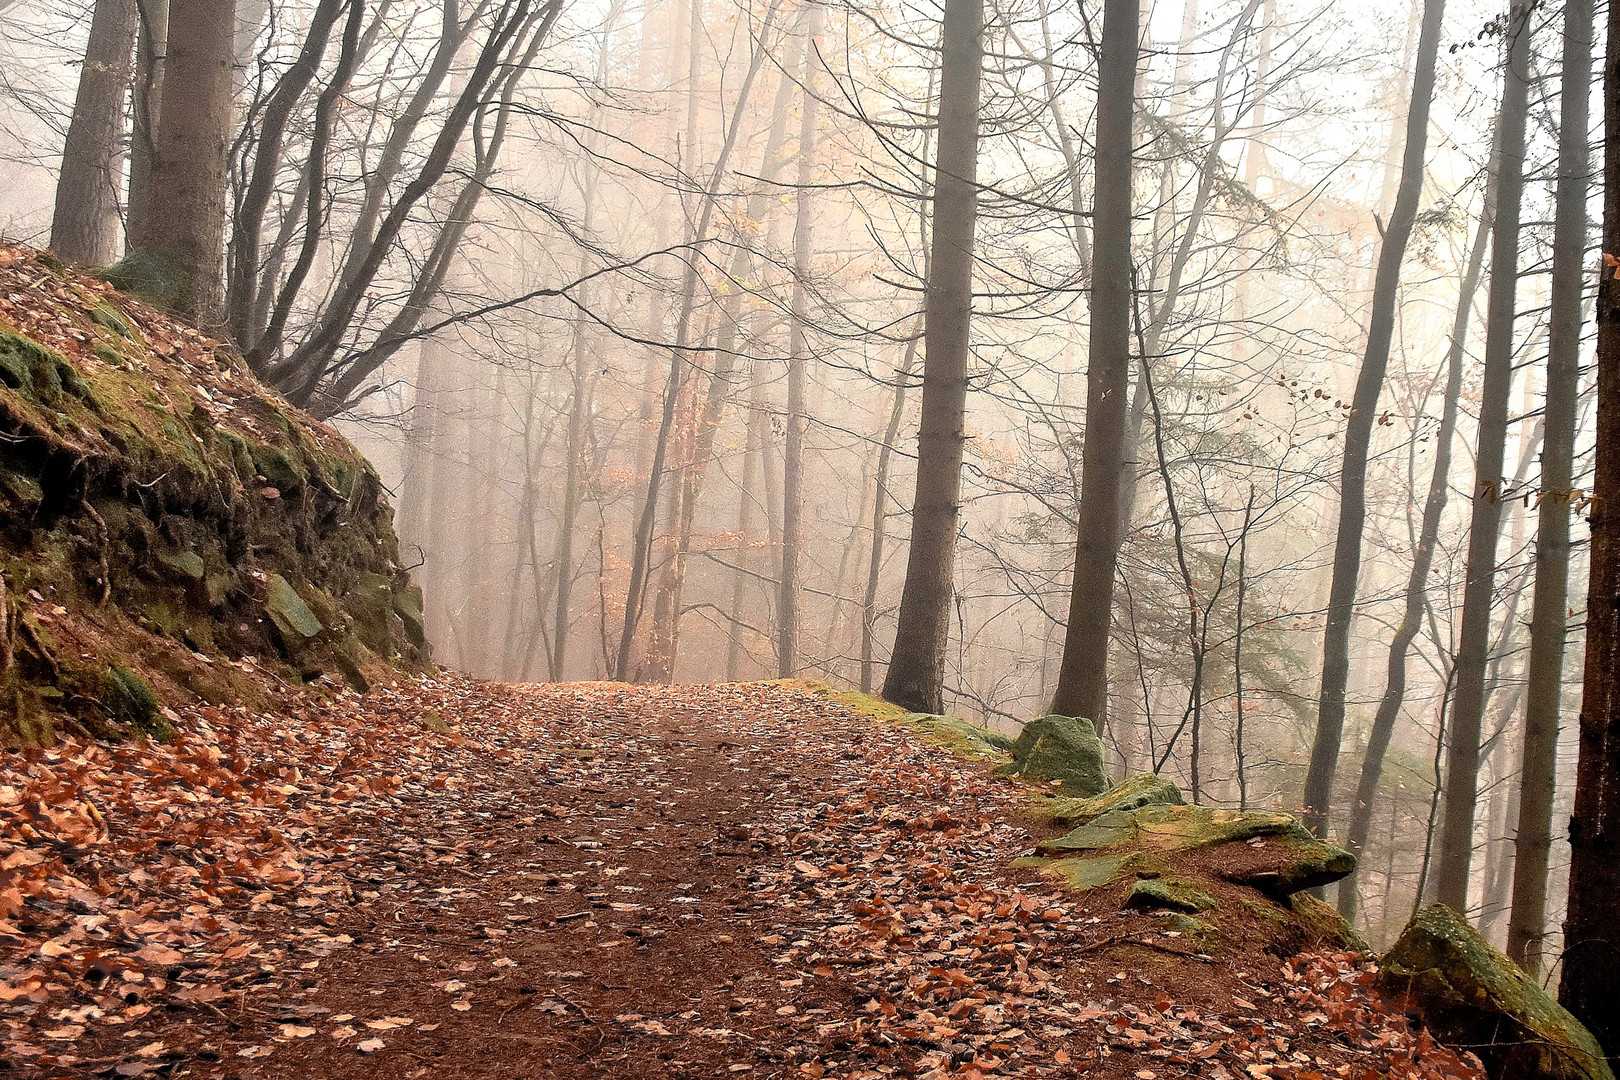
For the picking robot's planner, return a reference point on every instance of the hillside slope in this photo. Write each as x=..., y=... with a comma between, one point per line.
x=169, y=529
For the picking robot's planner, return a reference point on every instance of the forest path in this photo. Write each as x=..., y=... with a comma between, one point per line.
x=597, y=880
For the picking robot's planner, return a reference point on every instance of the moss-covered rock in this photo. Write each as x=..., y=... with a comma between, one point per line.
x=962, y=735
x=1062, y=750
x=1474, y=998
x=1277, y=855
x=154, y=491
x=131, y=701
x=1092, y=872
x=288, y=610
x=1175, y=893
x=155, y=278
x=1135, y=791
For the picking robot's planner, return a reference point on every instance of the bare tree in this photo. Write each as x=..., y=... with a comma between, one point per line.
x=84, y=226
x=1485, y=523
x=1358, y=431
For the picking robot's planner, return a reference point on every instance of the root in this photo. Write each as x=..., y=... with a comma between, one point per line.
x=101, y=549
x=5, y=629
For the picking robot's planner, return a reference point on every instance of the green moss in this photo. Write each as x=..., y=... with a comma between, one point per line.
x=1325, y=922
x=131, y=701
x=1203, y=935
x=1063, y=750
x=153, y=277
x=1169, y=892
x=108, y=318
x=1475, y=998
x=187, y=564
x=1135, y=791
x=1088, y=872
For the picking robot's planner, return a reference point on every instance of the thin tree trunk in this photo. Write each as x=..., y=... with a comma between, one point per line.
x=916, y=672
x=84, y=225
x=641, y=554
x=1527, y=924
x=1082, y=688
x=1417, y=581
x=753, y=454
x=880, y=512
x=1485, y=524
x=1324, y=763
x=787, y=595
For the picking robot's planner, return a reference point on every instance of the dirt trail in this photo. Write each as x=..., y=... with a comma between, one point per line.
x=604, y=881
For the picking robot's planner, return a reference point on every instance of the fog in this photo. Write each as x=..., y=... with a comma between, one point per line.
x=643, y=364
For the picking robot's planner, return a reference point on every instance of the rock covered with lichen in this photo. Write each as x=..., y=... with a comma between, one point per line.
x=167, y=525
x=1474, y=998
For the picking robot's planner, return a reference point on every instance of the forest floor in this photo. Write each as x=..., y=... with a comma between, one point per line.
x=453, y=879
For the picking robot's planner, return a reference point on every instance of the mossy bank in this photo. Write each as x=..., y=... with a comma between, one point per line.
x=169, y=529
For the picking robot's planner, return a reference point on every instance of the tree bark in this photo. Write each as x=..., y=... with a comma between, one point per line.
x=1485, y=523
x=185, y=226
x=150, y=46
x=84, y=225
x=1082, y=687
x=1527, y=922
x=1324, y=763
x=916, y=673
x=1590, y=984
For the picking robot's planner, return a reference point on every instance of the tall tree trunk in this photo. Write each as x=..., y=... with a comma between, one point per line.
x=787, y=591
x=747, y=499
x=1548, y=623
x=1324, y=764
x=150, y=46
x=916, y=673
x=1082, y=687
x=1485, y=523
x=1417, y=582
x=84, y=225
x=1590, y=984
x=185, y=227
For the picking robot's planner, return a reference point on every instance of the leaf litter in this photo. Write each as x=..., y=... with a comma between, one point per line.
x=606, y=881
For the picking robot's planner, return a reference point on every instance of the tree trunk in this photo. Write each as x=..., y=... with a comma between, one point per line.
x=1417, y=582
x=84, y=226
x=1485, y=523
x=916, y=673
x=1527, y=923
x=1590, y=984
x=787, y=589
x=185, y=226
x=150, y=47
x=880, y=512
x=1082, y=687
x=1324, y=764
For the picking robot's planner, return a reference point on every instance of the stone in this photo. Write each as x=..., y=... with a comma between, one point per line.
x=1169, y=892
x=1065, y=749
x=1134, y=792
x=289, y=612
x=1279, y=855
x=1091, y=872
x=408, y=606
x=186, y=563
x=1474, y=998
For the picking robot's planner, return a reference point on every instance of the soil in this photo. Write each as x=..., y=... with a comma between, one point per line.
x=596, y=880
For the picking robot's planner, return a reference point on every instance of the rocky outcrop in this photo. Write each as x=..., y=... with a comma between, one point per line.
x=1474, y=998
x=163, y=517
x=1062, y=751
